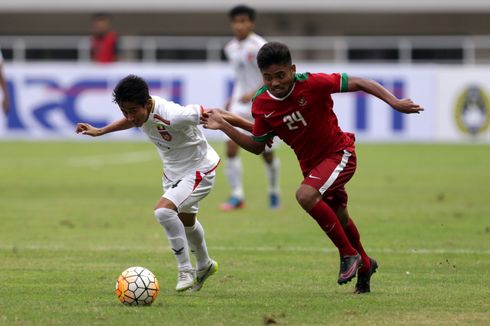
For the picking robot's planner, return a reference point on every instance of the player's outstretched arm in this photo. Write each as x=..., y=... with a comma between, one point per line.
x=236, y=120
x=372, y=87
x=214, y=120
x=88, y=129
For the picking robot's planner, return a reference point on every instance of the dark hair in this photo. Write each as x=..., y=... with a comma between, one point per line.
x=242, y=10
x=131, y=89
x=273, y=53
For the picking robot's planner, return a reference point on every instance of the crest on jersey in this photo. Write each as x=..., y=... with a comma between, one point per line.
x=163, y=132
x=302, y=101
x=472, y=111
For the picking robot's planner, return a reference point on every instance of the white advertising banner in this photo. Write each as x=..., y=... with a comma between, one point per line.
x=463, y=104
x=47, y=100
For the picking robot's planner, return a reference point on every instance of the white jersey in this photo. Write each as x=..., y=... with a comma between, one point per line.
x=243, y=57
x=180, y=143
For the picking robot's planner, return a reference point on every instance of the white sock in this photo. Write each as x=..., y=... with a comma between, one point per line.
x=234, y=175
x=174, y=228
x=195, y=236
x=272, y=171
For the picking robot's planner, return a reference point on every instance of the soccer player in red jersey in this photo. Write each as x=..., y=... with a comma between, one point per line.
x=298, y=108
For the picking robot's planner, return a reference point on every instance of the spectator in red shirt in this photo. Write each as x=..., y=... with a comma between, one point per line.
x=103, y=43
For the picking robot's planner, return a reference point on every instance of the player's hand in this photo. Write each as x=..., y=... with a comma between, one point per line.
x=87, y=129
x=204, y=116
x=247, y=98
x=406, y=105
x=214, y=120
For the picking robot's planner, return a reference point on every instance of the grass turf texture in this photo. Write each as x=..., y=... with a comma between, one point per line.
x=74, y=215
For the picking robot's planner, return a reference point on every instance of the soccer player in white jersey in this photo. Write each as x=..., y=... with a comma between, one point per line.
x=189, y=174
x=241, y=52
x=3, y=86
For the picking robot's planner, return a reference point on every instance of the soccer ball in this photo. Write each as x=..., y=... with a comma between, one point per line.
x=137, y=286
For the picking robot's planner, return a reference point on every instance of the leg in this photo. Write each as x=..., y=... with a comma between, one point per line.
x=369, y=265
x=195, y=232
x=310, y=199
x=353, y=236
x=328, y=176
x=234, y=176
x=195, y=237
x=166, y=214
x=272, y=171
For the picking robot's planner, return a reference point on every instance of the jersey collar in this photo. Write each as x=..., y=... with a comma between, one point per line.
x=284, y=97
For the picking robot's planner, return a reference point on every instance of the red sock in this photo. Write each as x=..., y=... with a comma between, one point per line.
x=355, y=240
x=330, y=224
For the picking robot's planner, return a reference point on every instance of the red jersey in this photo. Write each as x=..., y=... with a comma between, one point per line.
x=304, y=119
x=104, y=47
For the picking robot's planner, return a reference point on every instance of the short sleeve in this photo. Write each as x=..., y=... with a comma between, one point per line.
x=261, y=131
x=332, y=83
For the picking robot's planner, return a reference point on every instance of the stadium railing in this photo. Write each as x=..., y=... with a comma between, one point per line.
x=340, y=49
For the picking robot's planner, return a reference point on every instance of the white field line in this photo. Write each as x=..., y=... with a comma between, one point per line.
x=114, y=159
x=415, y=251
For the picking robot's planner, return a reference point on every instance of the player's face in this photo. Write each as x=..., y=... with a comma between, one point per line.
x=136, y=113
x=101, y=26
x=279, y=79
x=242, y=26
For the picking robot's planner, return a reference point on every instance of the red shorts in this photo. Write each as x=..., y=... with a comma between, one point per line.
x=330, y=176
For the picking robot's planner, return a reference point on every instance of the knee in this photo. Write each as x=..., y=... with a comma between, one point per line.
x=307, y=198
x=163, y=215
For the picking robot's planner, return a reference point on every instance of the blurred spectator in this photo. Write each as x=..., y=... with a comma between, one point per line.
x=3, y=85
x=103, y=47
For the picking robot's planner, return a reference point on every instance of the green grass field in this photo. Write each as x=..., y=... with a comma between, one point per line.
x=74, y=215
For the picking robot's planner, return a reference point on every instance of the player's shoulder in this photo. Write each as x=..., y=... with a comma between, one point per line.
x=159, y=102
x=231, y=45
x=163, y=106
x=256, y=39
x=302, y=76
x=320, y=78
x=260, y=94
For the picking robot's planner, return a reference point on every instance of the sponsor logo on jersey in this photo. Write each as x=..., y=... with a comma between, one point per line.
x=269, y=114
x=314, y=177
x=472, y=111
x=163, y=132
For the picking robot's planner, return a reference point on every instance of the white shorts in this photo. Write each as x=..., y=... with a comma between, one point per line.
x=186, y=192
